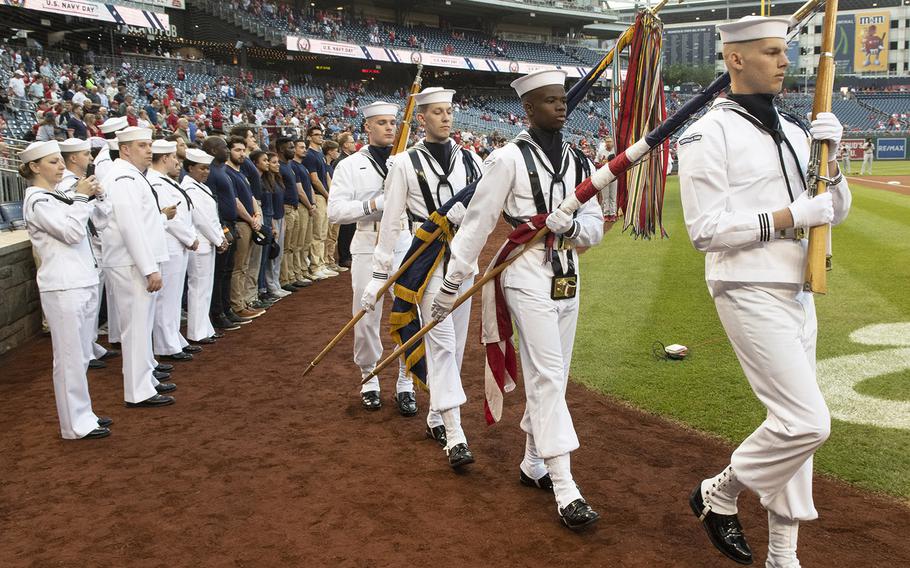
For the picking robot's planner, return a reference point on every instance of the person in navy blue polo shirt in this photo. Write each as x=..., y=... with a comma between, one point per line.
x=300, y=266
x=249, y=219
x=292, y=211
x=226, y=196
x=314, y=161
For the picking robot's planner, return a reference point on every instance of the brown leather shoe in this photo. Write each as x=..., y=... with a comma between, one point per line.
x=248, y=313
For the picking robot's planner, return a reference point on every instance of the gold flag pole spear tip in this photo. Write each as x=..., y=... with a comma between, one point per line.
x=817, y=173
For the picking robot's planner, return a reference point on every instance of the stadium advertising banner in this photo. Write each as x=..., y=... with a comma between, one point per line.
x=871, y=52
x=692, y=46
x=854, y=147
x=891, y=149
x=386, y=54
x=96, y=11
x=844, y=42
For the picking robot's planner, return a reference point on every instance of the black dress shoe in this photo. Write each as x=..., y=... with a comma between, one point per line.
x=99, y=432
x=217, y=335
x=460, y=455
x=437, y=433
x=370, y=400
x=157, y=400
x=110, y=354
x=578, y=515
x=203, y=341
x=96, y=364
x=192, y=349
x=725, y=532
x=104, y=422
x=164, y=368
x=288, y=288
x=161, y=376
x=179, y=356
x=301, y=284
x=164, y=388
x=407, y=403
x=544, y=482
x=223, y=323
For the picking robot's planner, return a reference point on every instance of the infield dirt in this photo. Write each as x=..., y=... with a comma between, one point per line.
x=255, y=466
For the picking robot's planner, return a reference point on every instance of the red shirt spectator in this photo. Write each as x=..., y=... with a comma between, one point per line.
x=172, y=119
x=217, y=118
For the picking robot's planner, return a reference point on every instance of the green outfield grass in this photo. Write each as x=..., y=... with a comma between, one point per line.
x=638, y=292
x=884, y=167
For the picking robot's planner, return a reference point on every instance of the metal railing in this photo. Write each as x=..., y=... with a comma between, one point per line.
x=12, y=186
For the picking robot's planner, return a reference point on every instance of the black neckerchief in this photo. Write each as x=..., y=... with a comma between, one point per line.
x=761, y=106
x=551, y=144
x=441, y=152
x=380, y=157
x=175, y=185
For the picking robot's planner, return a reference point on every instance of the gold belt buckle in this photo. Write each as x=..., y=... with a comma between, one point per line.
x=564, y=287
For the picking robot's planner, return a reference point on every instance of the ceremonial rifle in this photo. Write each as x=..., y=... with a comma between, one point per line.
x=818, y=175
x=400, y=144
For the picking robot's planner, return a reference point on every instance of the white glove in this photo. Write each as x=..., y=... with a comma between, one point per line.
x=456, y=213
x=444, y=300
x=827, y=127
x=560, y=222
x=812, y=211
x=368, y=300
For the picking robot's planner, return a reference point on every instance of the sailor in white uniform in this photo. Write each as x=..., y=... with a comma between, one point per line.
x=181, y=238
x=420, y=181
x=201, y=267
x=531, y=175
x=133, y=246
x=67, y=281
x=356, y=197
x=103, y=161
x=742, y=177
x=77, y=156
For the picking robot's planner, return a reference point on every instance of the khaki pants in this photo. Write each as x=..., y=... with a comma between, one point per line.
x=320, y=222
x=331, y=243
x=290, y=244
x=241, y=262
x=304, y=237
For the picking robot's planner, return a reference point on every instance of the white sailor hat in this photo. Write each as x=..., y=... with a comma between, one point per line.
x=114, y=124
x=38, y=150
x=112, y=144
x=95, y=142
x=197, y=156
x=75, y=145
x=750, y=28
x=134, y=133
x=432, y=95
x=538, y=79
x=379, y=108
x=163, y=147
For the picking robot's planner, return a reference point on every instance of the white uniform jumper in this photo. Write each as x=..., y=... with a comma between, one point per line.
x=359, y=179
x=103, y=164
x=733, y=174
x=133, y=246
x=546, y=327
x=68, y=285
x=201, y=267
x=404, y=192
x=180, y=234
x=97, y=222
